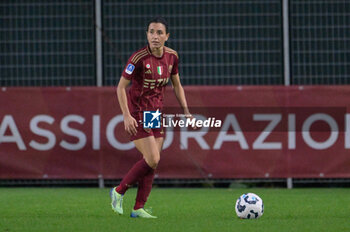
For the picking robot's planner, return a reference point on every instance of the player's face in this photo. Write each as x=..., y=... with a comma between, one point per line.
x=156, y=35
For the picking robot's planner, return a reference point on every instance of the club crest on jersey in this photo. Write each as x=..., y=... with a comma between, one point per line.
x=148, y=71
x=160, y=70
x=129, y=69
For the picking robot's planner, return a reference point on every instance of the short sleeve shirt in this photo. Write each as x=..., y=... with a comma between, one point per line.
x=149, y=75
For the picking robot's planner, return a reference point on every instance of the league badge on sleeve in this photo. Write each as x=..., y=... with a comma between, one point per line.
x=129, y=69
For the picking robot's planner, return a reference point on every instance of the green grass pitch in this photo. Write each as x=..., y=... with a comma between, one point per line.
x=88, y=209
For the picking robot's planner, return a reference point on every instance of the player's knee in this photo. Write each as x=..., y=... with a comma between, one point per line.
x=153, y=161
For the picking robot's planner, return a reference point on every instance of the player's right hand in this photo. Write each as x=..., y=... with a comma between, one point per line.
x=130, y=124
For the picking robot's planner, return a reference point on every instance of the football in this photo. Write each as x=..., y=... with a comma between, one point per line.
x=249, y=206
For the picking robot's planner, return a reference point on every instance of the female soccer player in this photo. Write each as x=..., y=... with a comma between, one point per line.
x=149, y=69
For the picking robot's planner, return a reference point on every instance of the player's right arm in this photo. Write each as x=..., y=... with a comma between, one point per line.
x=130, y=123
x=131, y=72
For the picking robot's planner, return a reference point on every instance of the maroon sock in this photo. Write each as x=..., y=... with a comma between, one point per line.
x=144, y=189
x=139, y=169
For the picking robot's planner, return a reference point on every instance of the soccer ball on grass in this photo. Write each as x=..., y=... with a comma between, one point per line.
x=249, y=206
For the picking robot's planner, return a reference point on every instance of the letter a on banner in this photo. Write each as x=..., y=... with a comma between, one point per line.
x=9, y=123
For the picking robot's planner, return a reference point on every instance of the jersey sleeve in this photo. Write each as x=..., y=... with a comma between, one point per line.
x=130, y=70
x=175, y=69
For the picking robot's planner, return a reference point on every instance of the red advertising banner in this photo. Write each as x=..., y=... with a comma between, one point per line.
x=264, y=132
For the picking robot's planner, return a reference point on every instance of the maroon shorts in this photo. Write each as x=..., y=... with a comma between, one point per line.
x=145, y=132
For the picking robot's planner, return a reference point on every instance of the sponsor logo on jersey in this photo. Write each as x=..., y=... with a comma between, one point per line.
x=151, y=119
x=148, y=71
x=149, y=83
x=129, y=69
x=160, y=70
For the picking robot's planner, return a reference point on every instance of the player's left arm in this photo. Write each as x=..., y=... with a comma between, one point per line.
x=180, y=93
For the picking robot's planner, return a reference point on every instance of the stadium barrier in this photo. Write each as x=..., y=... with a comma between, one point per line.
x=266, y=132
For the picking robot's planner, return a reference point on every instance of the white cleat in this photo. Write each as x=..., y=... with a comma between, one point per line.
x=117, y=201
x=141, y=213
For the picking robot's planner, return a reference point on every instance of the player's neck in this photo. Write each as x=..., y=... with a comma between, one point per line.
x=158, y=52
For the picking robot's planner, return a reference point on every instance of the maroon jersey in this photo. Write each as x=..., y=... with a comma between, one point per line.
x=149, y=75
